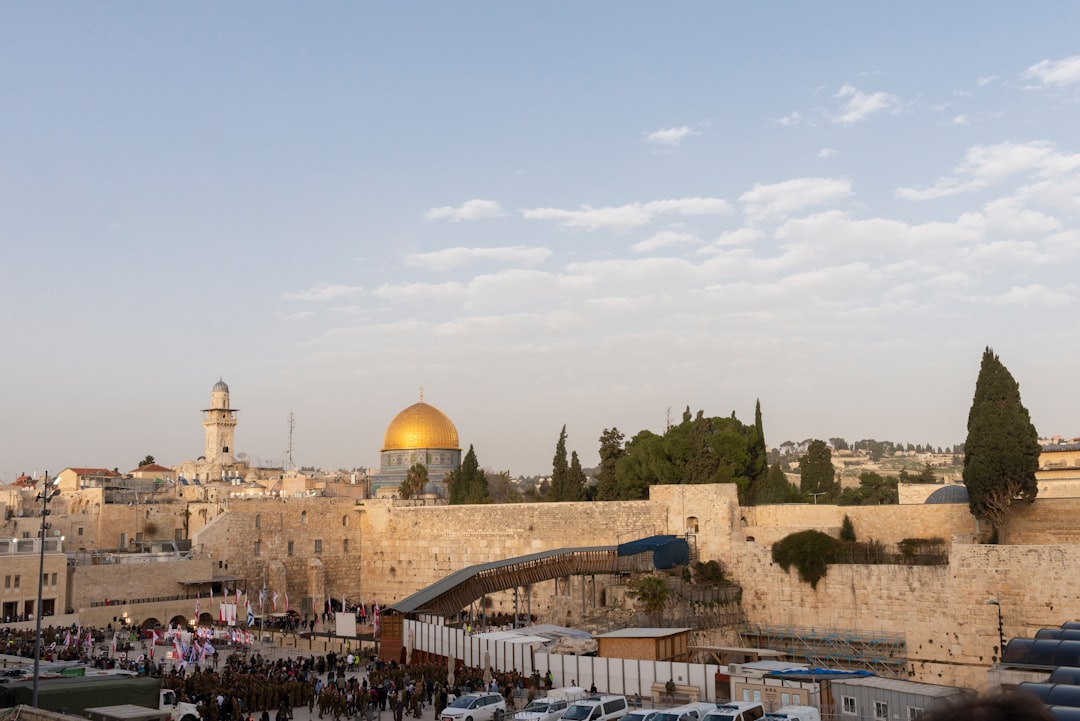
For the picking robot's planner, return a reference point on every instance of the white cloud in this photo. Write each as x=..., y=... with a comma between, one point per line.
x=735, y=238
x=624, y=217
x=826, y=153
x=670, y=136
x=422, y=292
x=961, y=120
x=985, y=166
x=665, y=239
x=475, y=209
x=324, y=292
x=790, y=120
x=299, y=315
x=859, y=105
x=450, y=258
x=1059, y=73
x=1028, y=295
x=792, y=195
x=984, y=80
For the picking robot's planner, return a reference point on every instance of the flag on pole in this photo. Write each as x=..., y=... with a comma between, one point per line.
x=262, y=597
x=286, y=602
x=251, y=616
x=211, y=594
x=238, y=596
x=343, y=602
x=375, y=619
x=274, y=600
x=198, y=606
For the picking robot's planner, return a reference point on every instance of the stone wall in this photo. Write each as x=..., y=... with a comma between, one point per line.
x=952, y=634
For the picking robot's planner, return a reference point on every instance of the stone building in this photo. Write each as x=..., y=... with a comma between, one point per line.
x=218, y=462
x=419, y=434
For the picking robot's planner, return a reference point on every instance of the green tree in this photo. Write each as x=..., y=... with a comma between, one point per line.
x=560, y=472
x=611, y=450
x=1001, y=452
x=817, y=472
x=873, y=490
x=501, y=487
x=697, y=450
x=148, y=460
x=847, y=529
x=575, y=479
x=467, y=483
x=415, y=480
x=926, y=475
x=652, y=592
x=777, y=488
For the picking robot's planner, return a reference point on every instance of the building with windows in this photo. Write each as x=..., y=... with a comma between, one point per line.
x=875, y=698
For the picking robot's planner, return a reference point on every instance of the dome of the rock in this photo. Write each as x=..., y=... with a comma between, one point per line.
x=420, y=426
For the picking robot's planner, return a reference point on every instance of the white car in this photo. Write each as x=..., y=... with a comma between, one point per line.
x=543, y=709
x=474, y=707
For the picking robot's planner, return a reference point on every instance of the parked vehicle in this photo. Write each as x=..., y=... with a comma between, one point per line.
x=687, y=712
x=641, y=714
x=474, y=707
x=597, y=708
x=76, y=694
x=736, y=711
x=794, y=713
x=552, y=706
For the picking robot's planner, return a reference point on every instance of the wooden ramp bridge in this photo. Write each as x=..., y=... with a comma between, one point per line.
x=448, y=596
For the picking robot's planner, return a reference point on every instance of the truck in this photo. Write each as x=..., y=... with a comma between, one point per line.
x=75, y=695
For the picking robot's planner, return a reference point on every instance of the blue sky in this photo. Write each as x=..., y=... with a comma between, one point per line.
x=544, y=214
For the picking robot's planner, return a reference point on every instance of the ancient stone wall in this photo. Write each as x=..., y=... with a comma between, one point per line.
x=952, y=634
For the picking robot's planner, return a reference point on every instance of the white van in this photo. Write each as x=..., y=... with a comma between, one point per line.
x=736, y=711
x=552, y=706
x=641, y=714
x=597, y=708
x=794, y=713
x=688, y=712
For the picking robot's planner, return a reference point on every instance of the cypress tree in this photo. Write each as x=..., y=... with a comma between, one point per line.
x=1001, y=453
x=611, y=450
x=560, y=470
x=575, y=480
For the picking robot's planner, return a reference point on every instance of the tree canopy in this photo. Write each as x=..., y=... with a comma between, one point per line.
x=611, y=450
x=697, y=450
x=817, y=475
x=1001, y=453
x=467, y=483
x=415, y=480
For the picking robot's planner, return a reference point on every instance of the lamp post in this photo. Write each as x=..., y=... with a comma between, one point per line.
x=47, y=493
x=1001, y=628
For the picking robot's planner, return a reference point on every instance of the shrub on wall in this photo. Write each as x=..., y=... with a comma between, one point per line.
x=810, y=552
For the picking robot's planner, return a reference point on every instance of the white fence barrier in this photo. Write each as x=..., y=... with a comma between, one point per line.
x=526, y=654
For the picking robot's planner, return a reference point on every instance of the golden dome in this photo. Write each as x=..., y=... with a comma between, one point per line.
x=420, y=426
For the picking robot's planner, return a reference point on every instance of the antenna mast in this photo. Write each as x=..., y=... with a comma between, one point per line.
x=292, y=426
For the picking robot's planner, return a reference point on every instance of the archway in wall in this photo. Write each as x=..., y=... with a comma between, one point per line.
x=150, y=623
x=205, y=619
x=178, y=621
x=691, y=524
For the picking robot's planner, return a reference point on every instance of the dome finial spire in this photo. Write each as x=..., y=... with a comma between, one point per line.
x=421, y=394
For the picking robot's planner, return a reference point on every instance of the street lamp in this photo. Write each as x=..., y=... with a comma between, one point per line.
x=47, y=493
x=1001, y=629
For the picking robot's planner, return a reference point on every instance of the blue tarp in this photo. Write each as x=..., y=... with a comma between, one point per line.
x=668, y=551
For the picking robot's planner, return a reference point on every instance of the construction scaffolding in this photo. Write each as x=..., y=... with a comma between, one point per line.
x=885, y=654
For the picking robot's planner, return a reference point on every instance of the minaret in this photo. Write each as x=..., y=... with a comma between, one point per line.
x=220, y=423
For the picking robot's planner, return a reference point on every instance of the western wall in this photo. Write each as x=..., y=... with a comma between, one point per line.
x=396, y=548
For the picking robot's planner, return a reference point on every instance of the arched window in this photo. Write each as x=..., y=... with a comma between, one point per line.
x=345, y=521
x=303, y=518
x=258, y=520
x=691, y=524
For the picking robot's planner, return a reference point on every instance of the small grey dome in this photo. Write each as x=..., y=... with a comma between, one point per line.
x=952, y=493
x=221, y=386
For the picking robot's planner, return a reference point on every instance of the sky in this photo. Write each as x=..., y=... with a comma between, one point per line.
x=593, y=214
